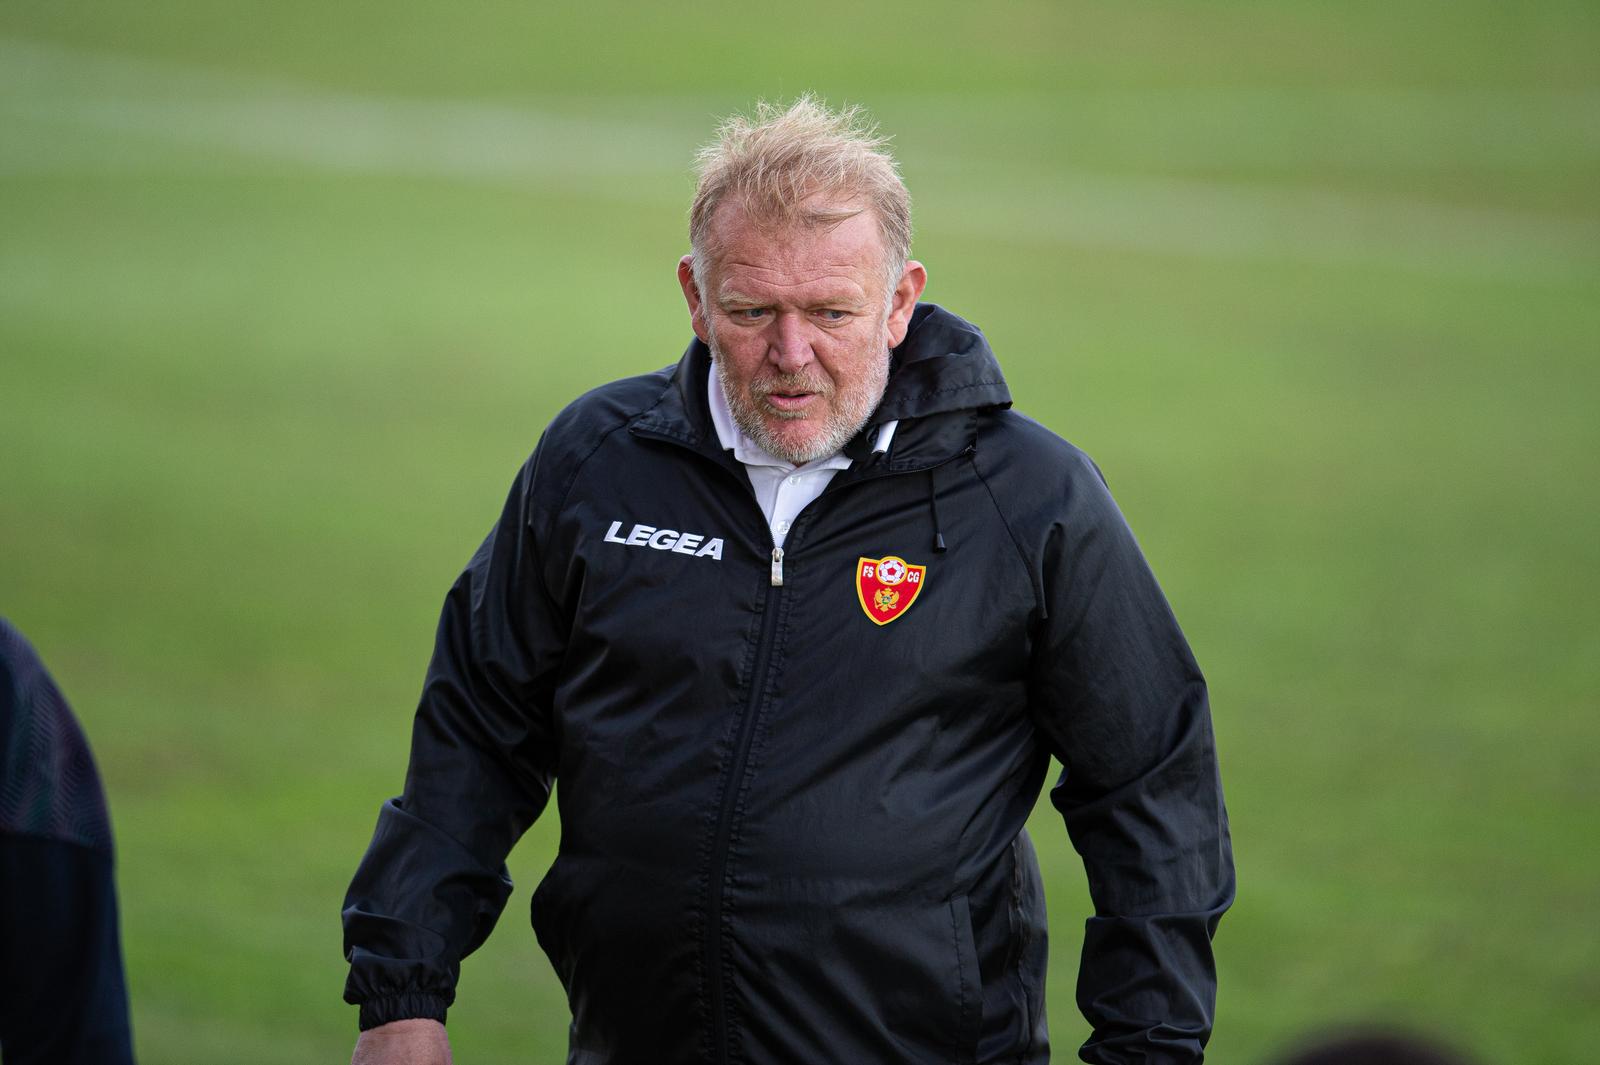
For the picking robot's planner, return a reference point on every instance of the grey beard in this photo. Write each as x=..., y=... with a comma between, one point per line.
x=842, y=424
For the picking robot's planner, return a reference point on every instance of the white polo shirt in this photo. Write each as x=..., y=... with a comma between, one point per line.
x=782, y=488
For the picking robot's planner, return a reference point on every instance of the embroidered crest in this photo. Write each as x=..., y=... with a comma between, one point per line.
x=888, y=586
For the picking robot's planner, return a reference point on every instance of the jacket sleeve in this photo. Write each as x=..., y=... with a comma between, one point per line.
x=1122, y=704
x=433, y=881
x=63, y=997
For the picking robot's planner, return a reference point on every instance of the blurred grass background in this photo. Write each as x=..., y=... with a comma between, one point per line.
x=288, y=290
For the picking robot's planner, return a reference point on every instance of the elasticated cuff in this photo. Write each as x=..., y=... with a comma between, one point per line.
x=418, y=1006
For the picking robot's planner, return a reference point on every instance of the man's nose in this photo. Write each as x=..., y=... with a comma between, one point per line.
x=791, y=343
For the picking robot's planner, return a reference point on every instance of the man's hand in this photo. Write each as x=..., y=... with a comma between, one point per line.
x=413, y=1042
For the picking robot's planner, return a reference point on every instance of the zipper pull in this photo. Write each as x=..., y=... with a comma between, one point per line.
x=777, y=567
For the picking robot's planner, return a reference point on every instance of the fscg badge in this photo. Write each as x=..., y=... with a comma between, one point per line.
x=888, y=586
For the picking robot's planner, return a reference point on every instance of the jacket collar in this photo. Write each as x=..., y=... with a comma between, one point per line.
x=940, y=377
x=943, y=365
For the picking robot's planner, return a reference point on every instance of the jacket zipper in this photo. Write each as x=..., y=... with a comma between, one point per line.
x=730, y=799
x=715, y=982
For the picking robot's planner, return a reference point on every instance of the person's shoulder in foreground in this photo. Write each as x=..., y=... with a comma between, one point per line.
x=62, y=996
x=799, y=624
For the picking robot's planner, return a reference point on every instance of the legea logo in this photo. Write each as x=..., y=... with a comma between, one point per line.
x=681, y=543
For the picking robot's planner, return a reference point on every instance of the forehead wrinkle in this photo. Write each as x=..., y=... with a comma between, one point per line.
x=781, y=270
x=795, y=266
x=825, y=288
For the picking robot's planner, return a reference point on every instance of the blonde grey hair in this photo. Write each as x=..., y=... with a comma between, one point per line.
x=774, y=162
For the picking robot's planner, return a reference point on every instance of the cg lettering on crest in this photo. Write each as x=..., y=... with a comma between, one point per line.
x=888, y=586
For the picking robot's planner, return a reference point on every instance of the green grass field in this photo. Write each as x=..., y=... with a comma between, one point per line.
x=288, y=291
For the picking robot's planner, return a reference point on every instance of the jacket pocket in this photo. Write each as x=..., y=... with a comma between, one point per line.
x=846, y=981
x=969, y=985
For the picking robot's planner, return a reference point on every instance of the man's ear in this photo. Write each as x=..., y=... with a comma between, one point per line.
x=692, y=296
x=912, y=281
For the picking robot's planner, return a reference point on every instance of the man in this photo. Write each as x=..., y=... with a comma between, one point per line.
x=63, y=1000
x=797, y=624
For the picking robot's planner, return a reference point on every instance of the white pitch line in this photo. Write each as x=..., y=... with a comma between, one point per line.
x=333, y=131
x=48, y=86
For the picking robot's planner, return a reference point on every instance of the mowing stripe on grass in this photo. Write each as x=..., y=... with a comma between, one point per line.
x=46, y=86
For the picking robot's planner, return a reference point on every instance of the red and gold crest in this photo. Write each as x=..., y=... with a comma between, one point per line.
x=888, y=586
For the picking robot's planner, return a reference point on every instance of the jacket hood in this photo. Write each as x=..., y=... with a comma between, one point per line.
x=943, y=365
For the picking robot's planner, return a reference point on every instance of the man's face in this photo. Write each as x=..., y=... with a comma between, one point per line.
x=800, y=326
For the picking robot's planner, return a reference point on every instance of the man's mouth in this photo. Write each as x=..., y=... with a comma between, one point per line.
x=794, y=398
x=790, y=401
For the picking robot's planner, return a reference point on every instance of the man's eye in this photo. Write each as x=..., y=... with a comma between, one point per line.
x=832, y=315
x=749, y=314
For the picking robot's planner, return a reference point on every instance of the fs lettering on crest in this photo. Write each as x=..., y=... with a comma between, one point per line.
x=888, y=586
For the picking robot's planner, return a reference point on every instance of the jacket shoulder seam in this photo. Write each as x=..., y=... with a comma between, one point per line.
x=1022, y=554
x=578, y=466
x=577, y=469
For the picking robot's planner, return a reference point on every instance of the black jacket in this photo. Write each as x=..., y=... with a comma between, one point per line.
x=790, y=833
x=63, y=1000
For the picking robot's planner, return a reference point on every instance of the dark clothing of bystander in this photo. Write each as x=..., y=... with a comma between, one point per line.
x=63, y=1000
